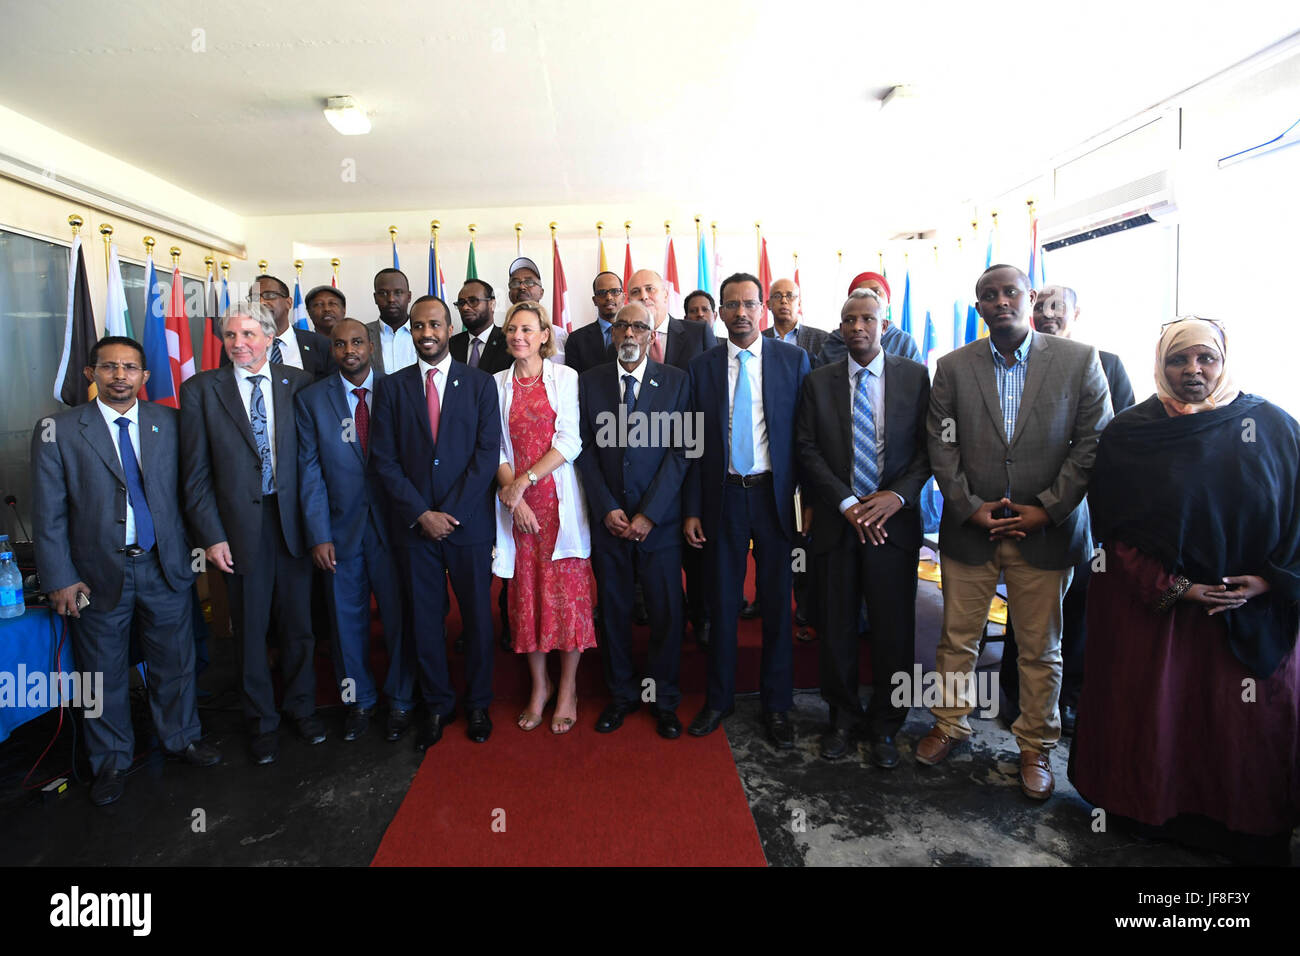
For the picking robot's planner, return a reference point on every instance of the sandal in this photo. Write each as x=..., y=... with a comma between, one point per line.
x=527, y=720
x=566, y=723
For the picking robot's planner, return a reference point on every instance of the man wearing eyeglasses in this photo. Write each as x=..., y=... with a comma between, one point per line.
x=632, y=482
x=593, y=344
x=299, y=348
x=741, y=489
x=106, y=485
x=526, y=286
x=390, y=334
x=783, y=300
x=481, y=345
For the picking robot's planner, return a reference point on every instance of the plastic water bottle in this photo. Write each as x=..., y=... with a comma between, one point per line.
x=11, y=585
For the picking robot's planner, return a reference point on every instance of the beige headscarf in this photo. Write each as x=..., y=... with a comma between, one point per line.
x=1184, y=334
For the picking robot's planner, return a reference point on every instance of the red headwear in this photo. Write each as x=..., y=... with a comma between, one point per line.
x=864, y=276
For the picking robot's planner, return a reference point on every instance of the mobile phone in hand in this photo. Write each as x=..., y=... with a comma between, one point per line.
x=83, y=600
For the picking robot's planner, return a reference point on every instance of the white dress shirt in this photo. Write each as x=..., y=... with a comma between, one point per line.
x=242, y=375
x=111, y=415
x=397, y=346
x=876, y=396
x=289, y=352
x=439, y=380
x=762, y=457
x=637, y=373
x=482, y=339
x=368, y=385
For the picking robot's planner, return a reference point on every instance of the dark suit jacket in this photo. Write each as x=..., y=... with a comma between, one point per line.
x=494, y=357
x=894, y=341
x=317, y=356
x=221, y=468
x=809, y=339
x=79, y=500
x=686, y=340
x=339, y=495
x=824, y=438
x=586, y=348
x=1064, y=407
x=784, y=369
x=639, y=480
x=457, y=475
x=1121, y=389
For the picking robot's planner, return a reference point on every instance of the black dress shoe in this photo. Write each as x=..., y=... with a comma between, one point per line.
x=266, y=748
x=399, y=722
x=707, y=721
x=479, y=728
x=835, y=742
x=311, y=729
x=107, y=788
x=883, y=752
x=779, y=730
x=701, y=631
x=800, y=618
x=611, y=718
x=750, y=610
x=198, y=754
x=1069, y=717
x=430, y=730
x=667, y=724
x=357, y=723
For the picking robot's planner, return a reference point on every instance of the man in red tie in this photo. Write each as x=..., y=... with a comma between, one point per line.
x=435, y=442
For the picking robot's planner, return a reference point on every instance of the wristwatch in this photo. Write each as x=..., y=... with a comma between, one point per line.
x=532, y=478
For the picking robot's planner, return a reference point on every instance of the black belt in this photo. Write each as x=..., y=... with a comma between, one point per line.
x=749, y=481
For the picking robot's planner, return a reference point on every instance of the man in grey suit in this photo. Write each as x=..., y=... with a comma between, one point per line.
x=108, y=525
x=239, y=452
x=390, y=334
x=1013, y=428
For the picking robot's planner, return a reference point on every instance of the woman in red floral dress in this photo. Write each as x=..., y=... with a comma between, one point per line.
x=543, y=541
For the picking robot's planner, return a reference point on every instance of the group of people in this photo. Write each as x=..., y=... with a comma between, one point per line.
x=396, y=456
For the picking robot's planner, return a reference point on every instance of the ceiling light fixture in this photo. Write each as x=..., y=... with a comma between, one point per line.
x=346, y=116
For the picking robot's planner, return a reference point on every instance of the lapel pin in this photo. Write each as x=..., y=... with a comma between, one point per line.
x=284, y=381
x=455, y=383
x=654, y=383
x=155, y=427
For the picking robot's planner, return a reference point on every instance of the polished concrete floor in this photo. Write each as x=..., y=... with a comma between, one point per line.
x=331, y=804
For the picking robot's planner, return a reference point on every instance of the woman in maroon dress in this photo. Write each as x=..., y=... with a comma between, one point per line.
x=543, y=541
x=1189, y=720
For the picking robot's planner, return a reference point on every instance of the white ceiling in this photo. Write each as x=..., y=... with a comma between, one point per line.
x=762, y=108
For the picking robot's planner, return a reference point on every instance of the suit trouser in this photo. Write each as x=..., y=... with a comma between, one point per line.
x=275, y=592
x=370, y=569
x=750, y=514
x=660, y=573
x=1034, y=596
x=102, y=639
x=425, y=567
x=806, y=589
x=885, y=576
x=697, y=604
x=1074, y=638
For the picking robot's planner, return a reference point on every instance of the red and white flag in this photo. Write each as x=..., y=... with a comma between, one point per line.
x=559, y=293
x=764, y=281
x=627, y=264
x=671, y=281
x=177, y=326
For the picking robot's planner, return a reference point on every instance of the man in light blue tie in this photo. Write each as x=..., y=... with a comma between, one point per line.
x=740, y=489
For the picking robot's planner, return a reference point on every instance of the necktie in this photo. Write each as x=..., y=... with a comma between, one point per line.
x=431, y=399
x=144, y=536
x=657, y=347
x=474, y=354
x=362, y=419
x=629, y=392
x=257, y=417
x=742, y=420
x=608, y=333
x=866, y=471
x=276, y=355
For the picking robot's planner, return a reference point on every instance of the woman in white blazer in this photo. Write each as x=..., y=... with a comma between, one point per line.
x=543, y=542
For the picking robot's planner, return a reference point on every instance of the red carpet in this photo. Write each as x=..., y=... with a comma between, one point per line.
x=628, y=798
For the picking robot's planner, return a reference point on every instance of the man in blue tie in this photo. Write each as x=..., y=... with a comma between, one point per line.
x=741, y=489
x=593, y=344
x=105, y=479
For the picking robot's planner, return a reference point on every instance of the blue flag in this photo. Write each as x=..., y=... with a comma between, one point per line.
x=396, y=264
x=928, y=345
x=300, y=317
x=906, y=322
x=702, y=267
x=156, y=355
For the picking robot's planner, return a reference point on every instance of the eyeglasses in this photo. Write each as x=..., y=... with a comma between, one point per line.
x=734, y=305
x=130, y=368
x=271, y=295
x=523, y=283
x=622, y=326
x=602, y=293
x=473, y=302
x=782, y=296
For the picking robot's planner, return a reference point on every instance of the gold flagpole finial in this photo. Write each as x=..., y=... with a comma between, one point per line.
x=263, y=265
x=995, y=219
x=76, y=222
x=796, y=259
x=149, y=243
x=553, y=232
x=434, y=225
x=473, y=228
x=880, y=260
x=519, y=238
x=225, y=269
x=334, y=265
x=839, y=255
x=297, y=266
x=107, y=232
x=974, y=225
x=392, y=233
x=627, y=228
x=600, y=228
x=175, y=252
x=210, y=262
x=1030, y=204
x=668, y=227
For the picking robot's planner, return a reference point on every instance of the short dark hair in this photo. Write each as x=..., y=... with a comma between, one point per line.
x=431, y=298
x=389, y=270
x=737, y=277
x=93, y=359
x=341, y=322
x=280, y=282
x=487, y=289
x=1002, y=265
x=686, y=302
x=606, y=273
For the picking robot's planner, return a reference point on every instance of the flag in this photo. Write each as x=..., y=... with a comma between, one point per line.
x=928, y=345
x=602, y=265
x=982, y=330
x=300, y=317
x=159, y=388
x=70, y=385
x=1037, y=278
x=211, y=357
x=906, y=322
x=334, y=280
x=117, y=320
x=702, y=265
x=471, y=268
x=670, y=279
x=396, y=264
x=798, y=290
x=435, y=274
x=180, y=355
x=559, y=292
x=717, y=268
x=764, y=281
x=627, y=264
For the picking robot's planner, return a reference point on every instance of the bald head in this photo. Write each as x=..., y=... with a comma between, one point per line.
x=1055, y=310
x=783, y=300
x=647, y=287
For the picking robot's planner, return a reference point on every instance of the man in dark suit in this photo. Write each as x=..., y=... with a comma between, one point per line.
x=325, y=306
x=295, y=347
x=390, y=334
x=347, y=529
x=239, y=455
x=862, y=450
x=593, y=344
x=443, y=520
x=482, y=344
x=1013, y=428
x=106, y=511
x=633, y=485
x=893, y=340
x=742, y=489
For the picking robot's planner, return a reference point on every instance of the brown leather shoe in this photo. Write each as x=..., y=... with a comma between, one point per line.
x=934, y=746
x=1036, y=778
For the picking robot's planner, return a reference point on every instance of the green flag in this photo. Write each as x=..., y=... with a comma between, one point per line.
x=471, y=268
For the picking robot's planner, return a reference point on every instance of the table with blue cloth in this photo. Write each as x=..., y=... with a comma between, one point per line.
x=28, y=645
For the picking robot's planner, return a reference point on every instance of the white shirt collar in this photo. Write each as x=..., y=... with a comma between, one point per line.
x=111, y=415
x=442, y=366
x=755, y=348
x=264, y=371
x=637, y=373
x=368, y=384
x=876, y=366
